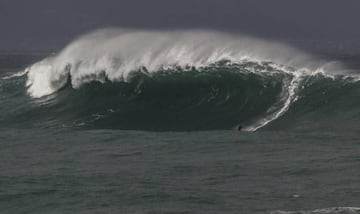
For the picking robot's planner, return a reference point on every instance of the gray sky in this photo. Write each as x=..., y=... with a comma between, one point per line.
x=50, y=24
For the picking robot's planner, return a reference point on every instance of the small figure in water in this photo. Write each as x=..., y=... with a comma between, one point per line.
x=239, y=127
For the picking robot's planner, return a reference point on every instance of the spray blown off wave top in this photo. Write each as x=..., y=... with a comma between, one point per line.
x=180, y=80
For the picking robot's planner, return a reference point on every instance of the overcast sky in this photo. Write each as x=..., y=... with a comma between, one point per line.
x=50, y=24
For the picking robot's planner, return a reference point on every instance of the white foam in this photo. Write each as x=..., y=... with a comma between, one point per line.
x=334, y=210
x=287, y=97
x=44, y=78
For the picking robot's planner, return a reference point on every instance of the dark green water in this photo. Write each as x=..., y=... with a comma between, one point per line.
x=104, y=171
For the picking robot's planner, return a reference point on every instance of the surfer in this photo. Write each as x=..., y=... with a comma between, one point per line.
x=239, y=127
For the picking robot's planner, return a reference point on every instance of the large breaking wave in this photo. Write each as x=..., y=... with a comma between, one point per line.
x=178, y=80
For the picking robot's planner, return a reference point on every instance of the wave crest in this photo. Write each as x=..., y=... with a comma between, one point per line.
x=113, y=54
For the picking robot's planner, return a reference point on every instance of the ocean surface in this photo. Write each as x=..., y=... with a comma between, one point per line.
x=132, y=121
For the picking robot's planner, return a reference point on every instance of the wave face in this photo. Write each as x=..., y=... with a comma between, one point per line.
x=183, y=80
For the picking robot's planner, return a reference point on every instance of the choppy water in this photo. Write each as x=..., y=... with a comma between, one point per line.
x=103, y=171
x=148, y=127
